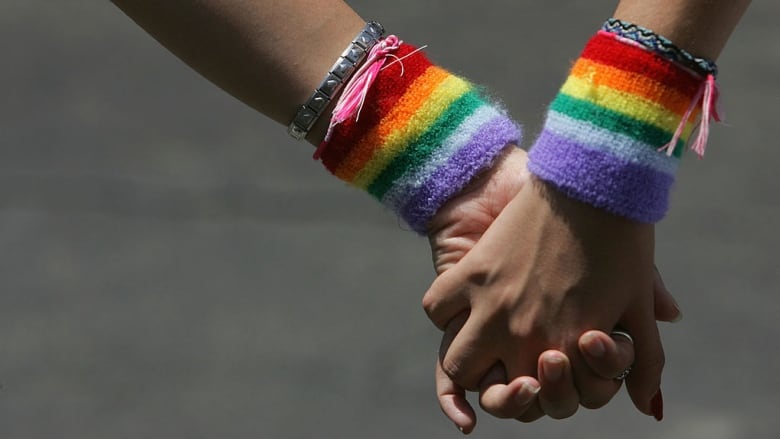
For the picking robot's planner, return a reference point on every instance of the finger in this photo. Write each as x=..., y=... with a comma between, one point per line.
x=453, y=402
x=506, y=400
x=607, y=356
x=450, y=331
x=644, y=381
x=558, y=398
x=666, y=308
x=444, y=299
x=532, y=411
x=466, y=358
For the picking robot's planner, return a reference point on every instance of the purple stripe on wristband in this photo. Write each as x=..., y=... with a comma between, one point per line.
x=619, y=145
x=478, y=154
x=409, y=183
x=601, y=179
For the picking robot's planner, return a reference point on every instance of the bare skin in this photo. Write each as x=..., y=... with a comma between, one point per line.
x=455, y=231
x=512, y=284
x=255, y=51
x=272, y=60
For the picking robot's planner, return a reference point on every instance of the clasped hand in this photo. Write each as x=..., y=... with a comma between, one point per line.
x=530, y=285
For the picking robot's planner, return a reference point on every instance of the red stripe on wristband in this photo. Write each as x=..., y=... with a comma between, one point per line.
x=389, y=87
x=607, y=50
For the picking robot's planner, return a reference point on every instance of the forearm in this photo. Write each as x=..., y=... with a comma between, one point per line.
x=701, y=27
x=424, y=133
x=269, y=54
x=615, y=133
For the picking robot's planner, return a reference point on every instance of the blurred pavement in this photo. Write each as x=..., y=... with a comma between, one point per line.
x=174, y=266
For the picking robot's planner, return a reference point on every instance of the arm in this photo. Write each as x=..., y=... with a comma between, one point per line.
x=258, y=51
x=273, y=59
x=259, y=55
x=453, y=236
x=424, y=133
x=702, y=27
x=592, y=268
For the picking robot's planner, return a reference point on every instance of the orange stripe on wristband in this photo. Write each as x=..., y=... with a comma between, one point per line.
x=400, y=114
x=631, y=82
x=395, y=79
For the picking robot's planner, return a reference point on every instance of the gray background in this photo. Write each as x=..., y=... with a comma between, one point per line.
x=173, y=266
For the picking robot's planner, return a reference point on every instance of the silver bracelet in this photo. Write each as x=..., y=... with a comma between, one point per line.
x=334, y=81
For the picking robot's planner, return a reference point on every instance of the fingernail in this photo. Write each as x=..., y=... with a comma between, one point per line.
x=676, y=307
x=657, y=406
x=679, y=314
x=526, y=393
x=594, y=346
x=553, y=368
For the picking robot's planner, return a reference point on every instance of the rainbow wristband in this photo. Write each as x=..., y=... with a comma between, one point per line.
x=602, y=139
x=421, y=136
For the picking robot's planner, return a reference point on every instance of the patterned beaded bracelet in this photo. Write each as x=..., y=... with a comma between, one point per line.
x=661, y=45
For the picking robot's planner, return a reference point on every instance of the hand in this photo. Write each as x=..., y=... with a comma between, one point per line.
x=457, y=228
x=547, y=270
x=523, y=397
x=556, y=396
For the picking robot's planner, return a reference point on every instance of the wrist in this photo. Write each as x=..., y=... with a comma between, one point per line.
x=700, y=27
x=421, y=136
x=605, y=132
x=487, y=193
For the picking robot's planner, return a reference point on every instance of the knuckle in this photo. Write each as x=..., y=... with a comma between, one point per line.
x=453, y=369
x=494, y=408
x=430, y=305
x=490, y=407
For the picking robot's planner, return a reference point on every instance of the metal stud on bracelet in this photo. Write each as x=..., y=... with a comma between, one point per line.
x=334, y=81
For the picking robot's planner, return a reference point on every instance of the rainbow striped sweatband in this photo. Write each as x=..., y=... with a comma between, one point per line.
x=602, y=139
x=422, y=135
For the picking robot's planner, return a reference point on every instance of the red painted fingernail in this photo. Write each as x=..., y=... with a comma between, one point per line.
x=657, y=406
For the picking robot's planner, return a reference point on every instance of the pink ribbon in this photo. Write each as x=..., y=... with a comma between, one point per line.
x=708, y=97
x=354, y=95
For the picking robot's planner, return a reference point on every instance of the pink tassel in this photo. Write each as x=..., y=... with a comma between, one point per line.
x=708, y=96
x=354, y=95
x=709, y=111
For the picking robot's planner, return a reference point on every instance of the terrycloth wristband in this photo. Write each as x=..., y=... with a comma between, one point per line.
x=421, y=136
x=605, y=131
